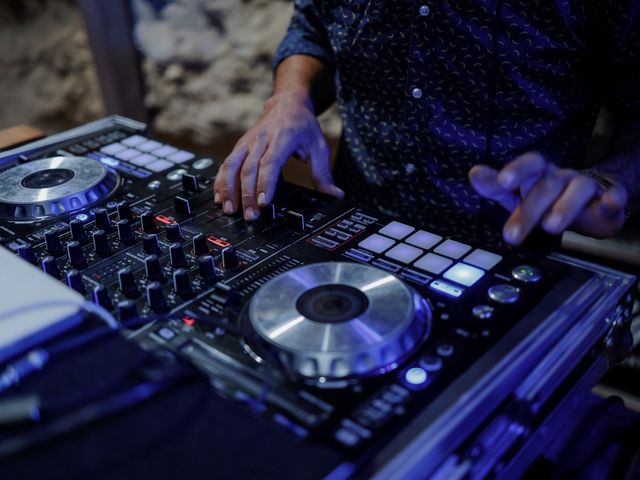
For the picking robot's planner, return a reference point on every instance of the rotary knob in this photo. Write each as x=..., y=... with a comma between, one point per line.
x=206, y=269
x=101, y=243
x=127, y=283
x=124, y=211
x=174, y=233
x=150, y=244
x=25, y=251
x=182, y=283
x=101, y=297
x=148, y=222
x=78, y=232
x=155, y=297
x=74, y=280
x=127, y=310
x=125, y=233
x=230, y=258
x=102, y=220
x=53, y=243
x=50, y=266
x=75, y=254
x=176, y=254
x=153, y=269
x=200, y=246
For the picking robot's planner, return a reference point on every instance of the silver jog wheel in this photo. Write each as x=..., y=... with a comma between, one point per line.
x=339, y=320
x=55, y=186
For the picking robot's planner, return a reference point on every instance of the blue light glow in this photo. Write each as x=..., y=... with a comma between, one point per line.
x=377, y=243
x=404, y=253
x=483, y=259
x=447, y=288
x=416, y=376
x=433, y=263
x=464, y=274
x=424, y=239
x=452, y=249
x=397, y=230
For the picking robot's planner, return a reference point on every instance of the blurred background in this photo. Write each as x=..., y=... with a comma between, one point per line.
x=197, y=71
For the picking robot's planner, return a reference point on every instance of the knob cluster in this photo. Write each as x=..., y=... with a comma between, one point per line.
x=69, y=253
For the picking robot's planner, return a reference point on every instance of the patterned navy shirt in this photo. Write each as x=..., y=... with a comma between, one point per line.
x=426, y=89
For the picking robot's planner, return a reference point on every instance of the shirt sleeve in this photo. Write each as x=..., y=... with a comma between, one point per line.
x=622, y=96
x=306, y=35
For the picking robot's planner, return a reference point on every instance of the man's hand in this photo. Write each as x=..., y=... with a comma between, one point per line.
x=539, y=193
x=288, y=127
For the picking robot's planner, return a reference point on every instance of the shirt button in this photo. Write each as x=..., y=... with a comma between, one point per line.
x=416, y=93
x=409, y=168
x=424, y=10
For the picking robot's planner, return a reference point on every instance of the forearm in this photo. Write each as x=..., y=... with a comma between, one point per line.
x=307, y=78
x=622, y=163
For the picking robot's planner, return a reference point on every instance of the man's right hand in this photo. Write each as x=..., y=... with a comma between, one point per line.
x=249, y=175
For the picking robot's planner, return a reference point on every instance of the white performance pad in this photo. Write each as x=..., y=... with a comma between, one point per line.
x=33, y=305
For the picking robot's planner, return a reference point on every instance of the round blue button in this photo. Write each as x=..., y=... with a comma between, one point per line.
x=416, y=376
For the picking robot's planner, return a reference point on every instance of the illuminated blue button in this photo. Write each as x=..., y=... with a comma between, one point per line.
x=397, y=230
x=127, y=154
x=110, y=162
x=134, y=140
x=148, y=146
x=415, y=376
x=180, y=156
x=452, y=249
x=404, y=253
x=433, y=263
x=464, y=274
x=504, y=293
x=159, y=165
x=166, y=333
x=424, y=239
x=165, y=151
x=447, y=288
x=483, y=259
x=377, y=243
x=113, y=149
x=526, y=274
x=143, y=159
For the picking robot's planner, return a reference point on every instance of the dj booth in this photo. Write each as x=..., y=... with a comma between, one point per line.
x=145, y=333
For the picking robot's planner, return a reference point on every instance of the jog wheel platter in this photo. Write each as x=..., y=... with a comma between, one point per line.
x=50, y=187
x=338, y=320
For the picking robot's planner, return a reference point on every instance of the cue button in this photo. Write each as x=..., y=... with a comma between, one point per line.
x=504, y=293
x=526, y=274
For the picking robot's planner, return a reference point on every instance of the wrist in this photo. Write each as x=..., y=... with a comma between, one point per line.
x=290, y=97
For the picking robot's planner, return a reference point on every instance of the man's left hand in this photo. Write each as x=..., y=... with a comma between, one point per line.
x=538, y=193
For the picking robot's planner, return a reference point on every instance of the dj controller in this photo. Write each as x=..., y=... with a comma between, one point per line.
x=409, y=354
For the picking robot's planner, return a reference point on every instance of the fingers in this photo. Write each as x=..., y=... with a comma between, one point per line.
x=270, y=166
x=524, y=168
x=533, y=207
x=226, y=191
x=485, y=182
x=570, y=204
x=613, y=202
x=321, y=169
x=604, y=216
x=249, y=177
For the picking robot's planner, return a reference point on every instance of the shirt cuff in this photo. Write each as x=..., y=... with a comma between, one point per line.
x=293, y=46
